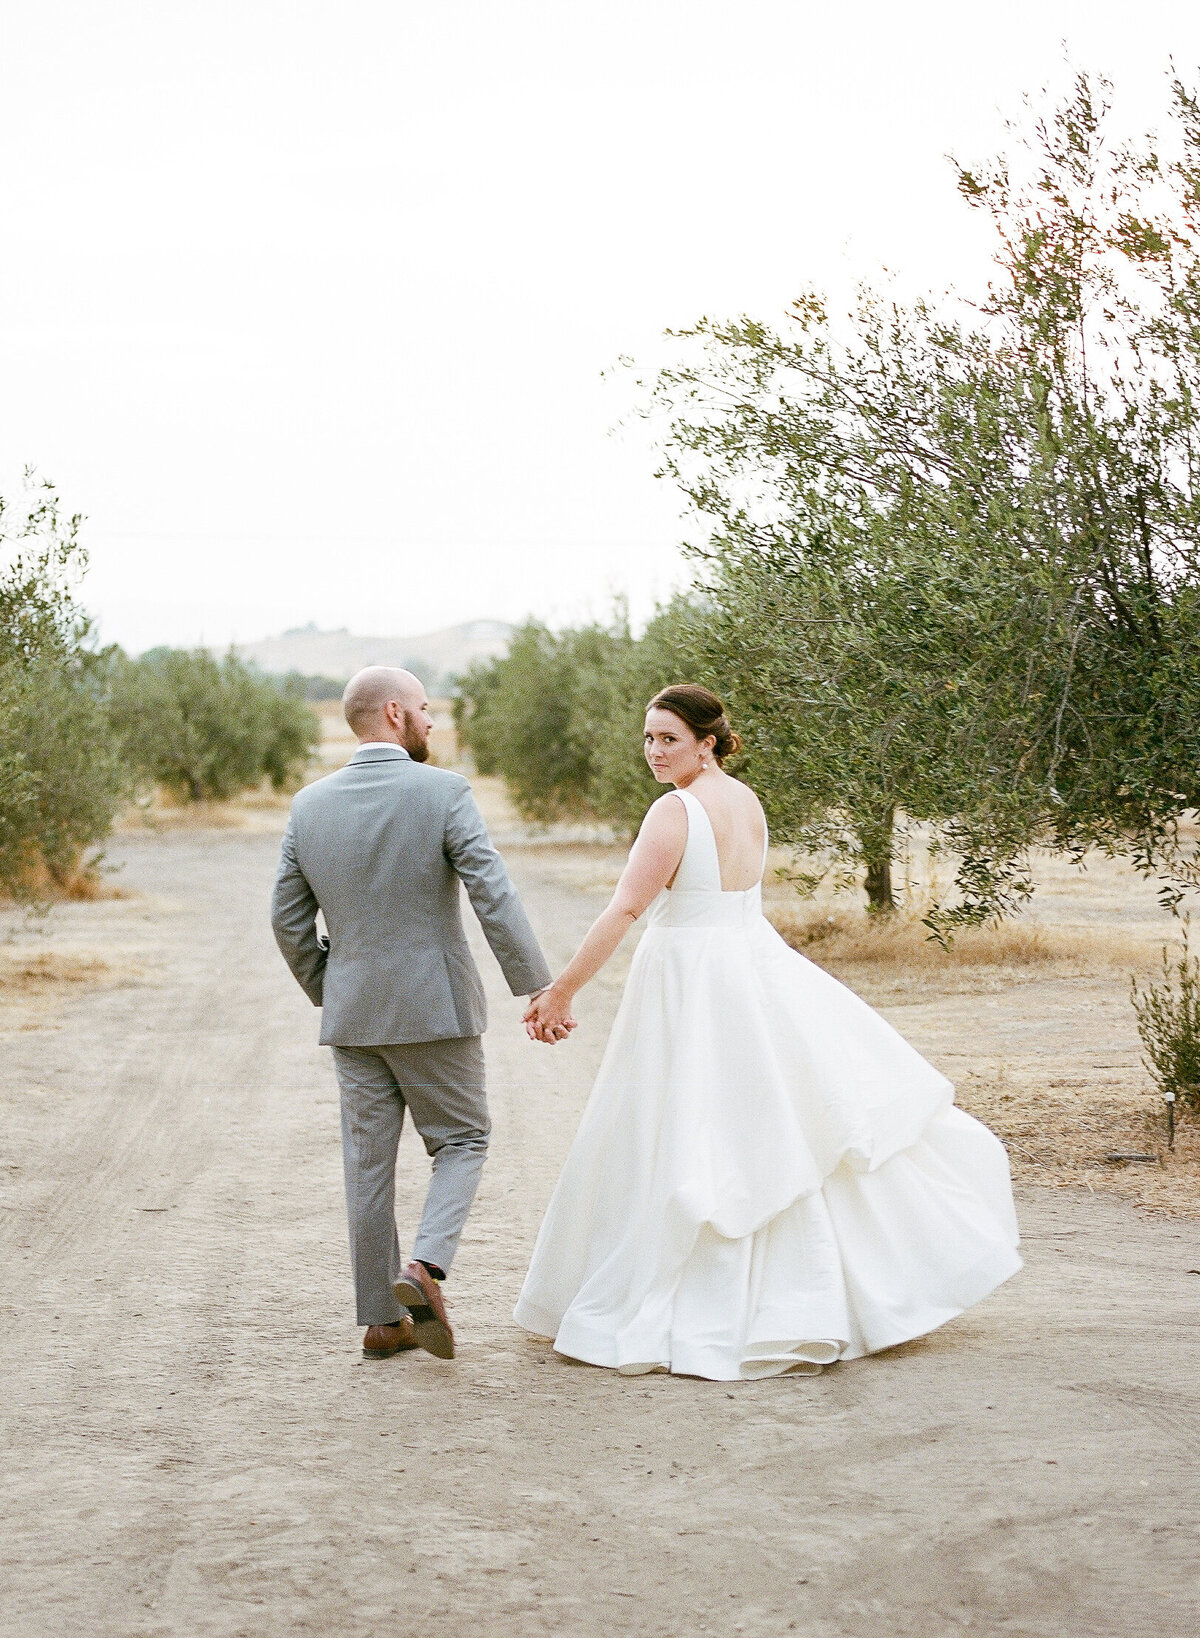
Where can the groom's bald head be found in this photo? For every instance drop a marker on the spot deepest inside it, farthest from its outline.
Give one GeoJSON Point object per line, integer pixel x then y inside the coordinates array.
{"type": "Point", "coordinates": [385, 703]}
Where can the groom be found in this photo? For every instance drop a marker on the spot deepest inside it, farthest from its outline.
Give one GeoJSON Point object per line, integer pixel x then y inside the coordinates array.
{"type": "Point", "coordinates": [380, 848]}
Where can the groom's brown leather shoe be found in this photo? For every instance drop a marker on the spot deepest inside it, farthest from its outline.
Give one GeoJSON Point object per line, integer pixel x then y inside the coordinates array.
{"type": "Point", "coordinates": [382, 1341]}
{"type": "Point", "coordinates": [418, 1291]}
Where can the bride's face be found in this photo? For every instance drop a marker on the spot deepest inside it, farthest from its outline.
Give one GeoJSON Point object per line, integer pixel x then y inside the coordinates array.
{"type": "Point", "coordinates": [672, 750]}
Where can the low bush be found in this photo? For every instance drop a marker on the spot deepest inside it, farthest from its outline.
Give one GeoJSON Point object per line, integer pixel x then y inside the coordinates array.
{"type": "Point", "coordinates": [61, 777]}
{"type": "Point", "coordinates": [1168, 1019]}
{"type": "Point", "coordinates": [205, 729]}
{"type": "Point", "coordinates": [559, 716]}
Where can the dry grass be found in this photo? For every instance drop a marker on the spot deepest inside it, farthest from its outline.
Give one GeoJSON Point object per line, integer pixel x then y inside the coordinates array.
{"type": "Point", "coordinates": [848, 937]}
{"type": "Point", "coordinates": [46, 971]}
{"type": "Point", "coordinates": [261, 809]}
{"type": "Point", "coordinates": [1067, 1130]}
{"type": "Point", "coordinates": [1031, 1019]}
{"type": "Point", "coordinates": [39, 987]}
{"type": "Point", "coordinates": [86, 884]}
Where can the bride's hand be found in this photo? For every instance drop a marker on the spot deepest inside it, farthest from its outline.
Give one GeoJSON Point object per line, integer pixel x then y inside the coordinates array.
{"type": "Point", "coordinates": [548, 1018]}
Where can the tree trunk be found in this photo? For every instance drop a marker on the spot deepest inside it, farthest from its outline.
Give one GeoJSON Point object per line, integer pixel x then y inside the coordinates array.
{"type": "Point", "coordinates": [877, 851]}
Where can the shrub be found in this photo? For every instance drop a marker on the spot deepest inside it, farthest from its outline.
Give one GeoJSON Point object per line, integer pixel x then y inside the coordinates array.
{"type": "Point", "coordinates": [667, 651]}
{"type": "Point", "coordinates": [61, 779]}
{"type": "Point", "coordinates": [529, 716]}
{"type": "Point", "coordinates": [314, 686]}
{"type": "Point", "coordinates": [205, 729]}
{"type": "Point", "coordinates": [559, 717]}
{"type": "Point", "coordinates": [1168, 1018]}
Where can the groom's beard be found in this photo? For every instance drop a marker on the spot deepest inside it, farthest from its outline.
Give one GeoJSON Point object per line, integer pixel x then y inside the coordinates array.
{"type": "Point", "coordinates": [416, 741]}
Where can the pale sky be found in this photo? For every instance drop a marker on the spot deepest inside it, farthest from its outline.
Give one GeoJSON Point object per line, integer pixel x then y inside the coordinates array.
{"type": "Point", "coordinates": [305, 305]}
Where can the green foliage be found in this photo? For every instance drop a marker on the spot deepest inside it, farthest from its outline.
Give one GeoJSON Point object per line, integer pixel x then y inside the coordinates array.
{"type": "Point", "coordinates": [520, 715]}
{"type": "Point", "coordinates": [315, 687]}
{"type": "Point", "coordinates": [1168, 1017]}
{"type": "Point", "coordinates": [952, 553]}
{"type": "Point", "coordinates": [472, 710]}
{"type": "Point", "coordinates": [1100, 306]}
{"type": "Point", "coordinates": [668, 650]}
{"type": "Point", "coordinates": [60, 778]}
{"type": "Point", "coordinates": [559, 717]}
{"type": "Point", "coordinates": [204, 728]}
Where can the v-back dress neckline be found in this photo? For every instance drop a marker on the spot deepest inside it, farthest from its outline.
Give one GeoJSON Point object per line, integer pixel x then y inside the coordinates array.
{"type": "Point", "coordinates": [704, 839]}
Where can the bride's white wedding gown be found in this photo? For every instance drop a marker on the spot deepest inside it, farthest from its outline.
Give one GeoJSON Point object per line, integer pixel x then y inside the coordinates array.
{"type": "Point", "coordinates": [767, 1177]}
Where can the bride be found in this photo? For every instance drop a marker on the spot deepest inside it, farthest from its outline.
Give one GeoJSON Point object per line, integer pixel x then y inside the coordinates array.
{"type": "Point", "coordinates": [767, 1177]}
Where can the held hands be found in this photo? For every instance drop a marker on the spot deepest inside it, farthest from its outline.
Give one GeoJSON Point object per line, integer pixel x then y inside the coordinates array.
{"type": "Point", "coordinates": [548, 1018]}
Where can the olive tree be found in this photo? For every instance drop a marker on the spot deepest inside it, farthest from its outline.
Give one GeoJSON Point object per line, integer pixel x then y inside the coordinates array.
{"type": "Point", "coordinates": [559, 716]}
{"type": "Point", "coordinates": [61, 780]}
{"type": "Point", "coordinates": [529, 715]}
{"type": "Point", "coordinates": [206, 729]}
{"type": "Point", "coordinates": [951, 549]}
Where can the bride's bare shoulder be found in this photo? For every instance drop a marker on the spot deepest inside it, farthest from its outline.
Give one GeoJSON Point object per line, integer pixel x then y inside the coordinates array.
{"type": "Point", "coordinates": [665, 824]}
{"type": "Point", "coordinates": [666, 812]}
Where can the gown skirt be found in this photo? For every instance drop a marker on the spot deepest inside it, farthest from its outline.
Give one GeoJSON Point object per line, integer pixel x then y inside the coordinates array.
{"type": "Point", "coordinates": [767, 1177]}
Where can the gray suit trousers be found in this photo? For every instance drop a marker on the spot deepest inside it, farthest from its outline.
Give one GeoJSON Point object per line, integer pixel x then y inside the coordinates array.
{"type": "Point", "coordinates": [442, 1084]}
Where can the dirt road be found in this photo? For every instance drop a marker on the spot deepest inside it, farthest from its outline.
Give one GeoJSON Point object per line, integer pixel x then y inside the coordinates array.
{"type": "Point", "coordinates": [195, 1447]}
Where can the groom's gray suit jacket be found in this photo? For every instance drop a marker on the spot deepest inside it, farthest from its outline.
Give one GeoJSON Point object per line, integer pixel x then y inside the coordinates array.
{"type": "Point", "coordinates": [380, 847]}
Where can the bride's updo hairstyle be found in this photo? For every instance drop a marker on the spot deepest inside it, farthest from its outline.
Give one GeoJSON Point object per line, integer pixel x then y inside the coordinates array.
{"type": "Point", "coordinates": [703, 712]}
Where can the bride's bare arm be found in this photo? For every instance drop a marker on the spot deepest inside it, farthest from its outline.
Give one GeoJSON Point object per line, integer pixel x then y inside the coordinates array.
{"type": "Point", "coordinates": [653, 860]}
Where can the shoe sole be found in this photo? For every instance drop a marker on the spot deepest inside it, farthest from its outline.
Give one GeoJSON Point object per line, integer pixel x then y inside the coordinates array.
{"type": "Point", "coordinates": [387, 1353]}
{"type": "Point", "coordinates": [432, 1334]}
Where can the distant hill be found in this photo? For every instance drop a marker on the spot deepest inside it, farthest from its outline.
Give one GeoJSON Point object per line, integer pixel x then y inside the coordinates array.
{"type": "Point", "coordinates": [435, 656]}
